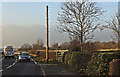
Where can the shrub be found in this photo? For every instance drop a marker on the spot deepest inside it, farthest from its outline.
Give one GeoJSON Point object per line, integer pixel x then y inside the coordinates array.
{"type": "Point", "coordinates": [77, 61]}
{"type": "Point", "coordinates": [63, 56]}
{"type": "Point", "coordinates": [32, 51]}
{"type": "Point", "coordinates": [80, 61]}
{"type": "Point", "coordinates": [42, 55]}
{"type": "Point", "coordinates": [90, 63]}
{"type": "Point", "coordinates": [99, 63]}
{"type": "Point", "coordinates": [96, 65]}
{"type": "Point", "coordinates": [67, 58]}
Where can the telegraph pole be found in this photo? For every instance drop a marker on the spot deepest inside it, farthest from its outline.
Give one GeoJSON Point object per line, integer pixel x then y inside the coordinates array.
{"type": "Point", "coordinates": [47, 36]}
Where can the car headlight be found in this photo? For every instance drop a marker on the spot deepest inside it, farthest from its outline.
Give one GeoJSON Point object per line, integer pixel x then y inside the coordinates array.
{"type": "Point", "coordinates": [19, 57]}
{"type": "Point", "coordinates": [29, 57]}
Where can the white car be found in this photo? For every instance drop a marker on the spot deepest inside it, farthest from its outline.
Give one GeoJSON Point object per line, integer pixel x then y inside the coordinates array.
{"type": "Point", "coordinates": [24, 56]}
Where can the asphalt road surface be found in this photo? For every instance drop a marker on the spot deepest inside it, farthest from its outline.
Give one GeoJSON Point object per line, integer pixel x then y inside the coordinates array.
{"type": "Point", "coordinates": [12, 67]}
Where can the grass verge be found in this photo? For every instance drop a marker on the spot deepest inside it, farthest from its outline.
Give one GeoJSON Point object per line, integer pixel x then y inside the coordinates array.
{"type": "Point", "coordinates": [37, 59]}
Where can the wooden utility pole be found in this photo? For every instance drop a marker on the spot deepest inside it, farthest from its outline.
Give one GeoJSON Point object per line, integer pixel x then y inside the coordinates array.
{"type": "Point", "coordinates": [47, 35]}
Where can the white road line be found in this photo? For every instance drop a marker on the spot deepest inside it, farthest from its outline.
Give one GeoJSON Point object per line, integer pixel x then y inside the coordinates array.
{"type": "Point", "coordinates": [12, 64]}
{"type": "Point", "coordinates": [34, 61]}
{"type": "Point", "coordinates": [1, 59]}
{"type": "Point", "coordinates": [42, 70]}
{"type": "Point", "coordinates": [9, 66]}
{"type": "Point", "coordinates": [40, 66]}
{"type": "Point", "coordinates": [1, 70]}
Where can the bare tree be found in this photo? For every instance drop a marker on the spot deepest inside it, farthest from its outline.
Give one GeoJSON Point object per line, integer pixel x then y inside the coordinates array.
{"type": "Point", "coordinates": [74, 45]}
{"type": "Point", "coordinates": [79, 19]}
{"type": "Point", "coordinates": [65, 45]}
{"type": "Point", "coordinates": [39, 41]}
{"type": "Point", "coordinates": [114, 25]}
{"type": "Point", "coordinates": [54, 46]}
{"type": "Point", "coordinates": [38, 45]}
{"type": "Point", "coordinates": [26, 47]}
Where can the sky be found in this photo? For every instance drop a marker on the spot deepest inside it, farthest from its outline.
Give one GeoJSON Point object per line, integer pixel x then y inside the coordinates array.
{"type": "Point", "coordinates": [24, 22]}
{"type": "Point", "coordinates": [55, 0]}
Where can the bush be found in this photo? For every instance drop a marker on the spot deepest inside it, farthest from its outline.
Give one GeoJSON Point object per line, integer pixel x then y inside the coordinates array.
{"type": "Point", "coordinates": [63, 56]}
{"type": "Point", "coordinates": [99, 63]}
{"type": "Point", "coordinates": [96, 65]}
{"type": "Point", "coordinates": [67, 58]}
{"type": "Point", "coordinates": [42, 55]}
{"type": "Point", "coordinates": [52, 55]}
{"type": "Point", "coordinates": [90, 64]}
{"type": "Point", "coordinates": [77, 61]}
{"type": "Point", "coordinates": [32, 51]}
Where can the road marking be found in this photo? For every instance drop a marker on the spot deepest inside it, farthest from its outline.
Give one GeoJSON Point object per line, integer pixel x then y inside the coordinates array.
{"type": "Point", "coordinates": [1, 70]}
{"type": "Point", "coordinates": [42, 70]}
{"type": "Point", "coordinates": [40, 66]}
{"type": "Point", "coordinates": [1, 59]}
{"type": "Point", "coordinates": [9, 66]}
{"type": "Point", "coordinates": [34, 61]}
{"type": "Point", "coordinates": [12, 64]}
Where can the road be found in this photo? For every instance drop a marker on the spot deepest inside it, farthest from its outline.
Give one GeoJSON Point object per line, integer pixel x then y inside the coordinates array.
{"type": "Point", "coordinates": [15, 68]}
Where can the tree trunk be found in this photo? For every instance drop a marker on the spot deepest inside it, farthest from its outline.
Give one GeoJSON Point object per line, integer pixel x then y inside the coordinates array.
{"type": "Point", "coordinates": [81, 40]}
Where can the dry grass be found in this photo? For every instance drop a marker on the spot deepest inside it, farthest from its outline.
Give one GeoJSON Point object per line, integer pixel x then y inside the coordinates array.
{"type": "Point", "coordinates": [108, 49]}
{"type": "Point", "coordinates": [54, 50]}
{"type": "Point", "coordinates": [33, 54]}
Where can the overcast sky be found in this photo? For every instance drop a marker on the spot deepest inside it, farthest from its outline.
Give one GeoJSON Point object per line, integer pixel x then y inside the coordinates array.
{"type": "Point", "coordinates": [24, 22]}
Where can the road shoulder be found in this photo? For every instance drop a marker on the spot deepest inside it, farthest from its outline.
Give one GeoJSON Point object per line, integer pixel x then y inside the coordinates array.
{"type": "Point", "coordinates": [55, 69]}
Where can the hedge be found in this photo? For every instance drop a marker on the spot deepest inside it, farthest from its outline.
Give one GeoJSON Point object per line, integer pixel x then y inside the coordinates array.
{"type": "Point", "coordinates": [42, 55]}
{"type": "Point", "coordinates": [77, 61]}
{"type": "Point", "coordinates": [90, 63]}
